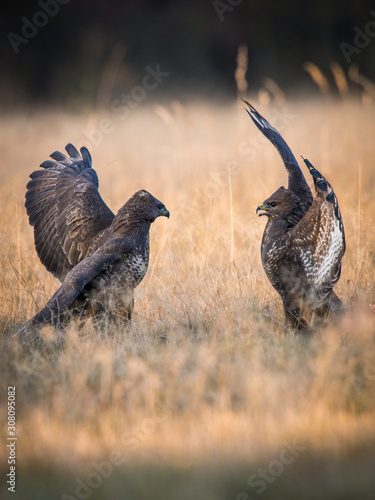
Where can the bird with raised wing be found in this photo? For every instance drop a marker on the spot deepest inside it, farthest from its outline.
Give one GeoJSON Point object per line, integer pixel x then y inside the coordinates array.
{"type": "Point", "coordinates": [303, 242]}
{"type": "Point", "coordinates": [99, 257]}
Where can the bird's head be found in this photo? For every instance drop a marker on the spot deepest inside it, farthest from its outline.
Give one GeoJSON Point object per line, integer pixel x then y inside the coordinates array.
{"type": "Point", "coordinates": [281, 204]}
{"type": "Point", "coordinates": [147, 206]}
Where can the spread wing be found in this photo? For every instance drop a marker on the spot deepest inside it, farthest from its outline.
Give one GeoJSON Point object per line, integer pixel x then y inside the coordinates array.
{"type": "Point", "coordinates": [319, 238]}
{"type": "Point", "coordinates": [66, 210]}
{"type": "Point", "coordinates": [88, 270]}
{"type": "Point", "coordinates": [296, 180]}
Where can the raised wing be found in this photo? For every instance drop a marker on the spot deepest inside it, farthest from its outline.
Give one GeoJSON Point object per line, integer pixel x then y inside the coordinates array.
{"type": "Point", "coordinates": [66, 210]}
{"type": "Point", "coordinates": [321, 238]}
{"type": "Point", "coordinates": [296, 180]}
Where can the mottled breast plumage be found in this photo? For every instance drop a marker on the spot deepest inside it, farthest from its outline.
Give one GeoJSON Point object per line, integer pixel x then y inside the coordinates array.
{"type": "Point", "coordinates": [303, 242]}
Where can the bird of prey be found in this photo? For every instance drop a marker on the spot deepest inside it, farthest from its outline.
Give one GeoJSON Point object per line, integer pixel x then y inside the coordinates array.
{"type": "Point", "coordinates": [303, 242]}
{"type": "Point", "coordinates": [98, 257]}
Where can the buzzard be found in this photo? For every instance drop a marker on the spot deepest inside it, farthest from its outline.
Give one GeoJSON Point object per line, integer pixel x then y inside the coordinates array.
{"type": "Point", "coordinates": [98, 257]}
{"type": "Point", "coordinates": [303, 242]}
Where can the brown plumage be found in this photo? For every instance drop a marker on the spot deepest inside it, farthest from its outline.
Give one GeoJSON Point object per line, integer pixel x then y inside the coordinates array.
{"type": "Point", "coordinates": [99, 257]}
{"type": "Point", "coordinates": [303, 242]}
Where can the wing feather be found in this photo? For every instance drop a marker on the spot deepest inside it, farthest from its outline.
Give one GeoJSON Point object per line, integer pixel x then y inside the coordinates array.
{"type": "Point", "coordinates": [320, 237]}
{"type": "Point", "coordinates": [56, 155]}
{"type": "Point", "coordinates": [64, 206]}
{"type": "Point", "coordinates": [72, 152]}
{"type": "Point", "coordinates": [86, 156]}
{"type": "Point", "coordinates": [296, 180]}
{"type": "Point", "coordinates": [73, 284]}
{"type": "Point", "coordinates": [81, 275]}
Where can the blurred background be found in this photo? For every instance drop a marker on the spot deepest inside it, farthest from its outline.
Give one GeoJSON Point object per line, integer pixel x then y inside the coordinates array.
{"type": "Point", "coordinates": [76, 53]}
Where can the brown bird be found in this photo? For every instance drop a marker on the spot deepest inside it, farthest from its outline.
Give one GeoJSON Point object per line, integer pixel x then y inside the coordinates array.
{"type": "Point", "coordinates": [303, 242]}
{"type": "Point", "coordinates": [99, 257]}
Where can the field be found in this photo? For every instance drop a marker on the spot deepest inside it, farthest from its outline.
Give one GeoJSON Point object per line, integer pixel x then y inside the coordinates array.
{"type": "Point", "coordinates": [204, 396]}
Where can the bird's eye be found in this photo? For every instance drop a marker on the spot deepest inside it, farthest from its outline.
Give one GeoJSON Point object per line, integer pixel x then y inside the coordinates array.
{"type": "Point", "coordinates": [273, 204]}
{"type": "Point", "coordinates": [160, 206]}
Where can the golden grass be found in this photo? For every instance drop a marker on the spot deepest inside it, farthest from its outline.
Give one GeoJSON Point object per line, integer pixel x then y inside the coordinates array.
{"type": "Point", "coordinates": [204, 388]}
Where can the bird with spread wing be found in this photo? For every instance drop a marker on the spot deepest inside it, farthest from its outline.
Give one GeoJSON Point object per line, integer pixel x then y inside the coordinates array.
{"type": "Point", "coordinates": [303, 242]}
{"type": "Point", "coordinates": [99, 257]}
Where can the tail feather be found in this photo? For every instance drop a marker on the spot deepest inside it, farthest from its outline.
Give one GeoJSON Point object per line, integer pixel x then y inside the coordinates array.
{"type": "Point", "coordinates": [334, 303]}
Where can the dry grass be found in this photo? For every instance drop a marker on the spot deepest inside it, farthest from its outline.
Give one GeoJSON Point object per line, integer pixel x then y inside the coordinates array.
{"type": "Point", "coordinates": [204, 388]}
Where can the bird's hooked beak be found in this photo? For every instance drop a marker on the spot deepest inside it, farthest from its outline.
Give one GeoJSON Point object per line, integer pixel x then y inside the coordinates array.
{"type": "Point", "coordinates": [164, 212]}
{"type": "Point", "coordinates": [263, 207]}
